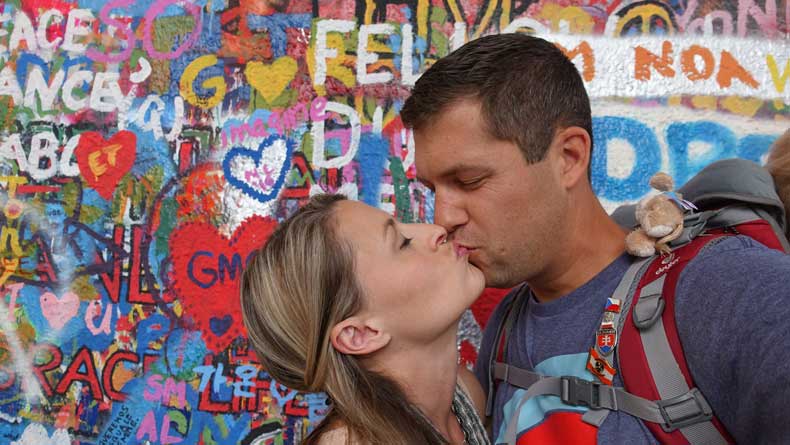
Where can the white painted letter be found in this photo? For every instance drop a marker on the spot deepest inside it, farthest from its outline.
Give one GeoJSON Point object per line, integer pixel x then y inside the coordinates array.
{"type": "Point", "coordinates": [77, 25]}
{"type": "Point", "coordinates": [43, 146]}
{"type": "Point", "coordinates": [407, 56]}
{"type": "Point", "coordinates": [37, 84]}
{"type": "Point", "coordinates": [319, 158]}
{"type": "Point", "coordinates": [68, 168]}
{"type": "Point", "coordinates": [23, 30]}
{"type": "Point", "coordinates": [9, 86]}
{"type": "Point", "coordinates": [105, 85]}
{"type": "Point", "coordinates": [322, 28]}
{"type": "Point", "coordinates": [72, 82]}
{"type": "Point", "coordinates": [11, 148]}
{"type": "Point", "coordinates": [365, 58]}
{"type": "Point", "coordinates": [41, 31]}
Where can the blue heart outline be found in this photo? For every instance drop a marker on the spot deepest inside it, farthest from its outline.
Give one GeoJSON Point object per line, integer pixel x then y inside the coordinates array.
{"type": "Point", "coordinates": [256, 156]}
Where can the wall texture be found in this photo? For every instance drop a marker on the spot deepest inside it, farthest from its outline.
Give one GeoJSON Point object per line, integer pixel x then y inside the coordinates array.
{"type": "Point", "coordinates": [146, 147]}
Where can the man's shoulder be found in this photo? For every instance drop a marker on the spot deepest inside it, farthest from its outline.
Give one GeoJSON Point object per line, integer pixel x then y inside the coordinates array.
{"type": "Point", "coordinates": [737, 279]}
{"type": "Point", "coordinates": [738, 259]}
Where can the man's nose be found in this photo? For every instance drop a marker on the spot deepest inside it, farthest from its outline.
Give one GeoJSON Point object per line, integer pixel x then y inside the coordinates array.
{"type": "Point", "coordinates": [449, 214]}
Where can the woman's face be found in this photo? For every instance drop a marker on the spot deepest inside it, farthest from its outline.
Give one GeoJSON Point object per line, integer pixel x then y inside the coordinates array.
{"type": "Point", "coordinates": [415, 283]}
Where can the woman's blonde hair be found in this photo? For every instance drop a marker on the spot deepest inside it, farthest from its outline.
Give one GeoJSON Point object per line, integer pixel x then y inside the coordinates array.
{"type": "Point", "coordinates": [293, 291]}
{"type": "Point", "coordinates": [778, 164]}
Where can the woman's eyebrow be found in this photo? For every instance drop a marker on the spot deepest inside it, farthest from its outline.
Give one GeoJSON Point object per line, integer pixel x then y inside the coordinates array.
{"type": "Point", "coordinates": [390, 223]}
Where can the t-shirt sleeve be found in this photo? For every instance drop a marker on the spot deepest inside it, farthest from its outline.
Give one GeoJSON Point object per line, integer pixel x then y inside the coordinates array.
{"type": "Point", "coordinates": [733, 317]}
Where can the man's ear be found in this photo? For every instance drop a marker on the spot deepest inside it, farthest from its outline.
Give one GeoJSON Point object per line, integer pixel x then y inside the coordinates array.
{"type": "Point", "coordinates": [574, 150]}
{"type": "Point", "coordinates": [355, 336]}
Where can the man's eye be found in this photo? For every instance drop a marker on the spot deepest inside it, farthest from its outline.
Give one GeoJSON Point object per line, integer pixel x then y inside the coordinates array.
{"type": "Point", "coordinates": [405, 243]}
{"type": "Point", "coordinates": [471, 183]}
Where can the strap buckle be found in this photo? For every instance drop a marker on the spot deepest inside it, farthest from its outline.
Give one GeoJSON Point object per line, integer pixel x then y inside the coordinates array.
{"type": "Point", "coordinates": [684, 410]}
{"type": "Point", "coordinates": [576, 392]}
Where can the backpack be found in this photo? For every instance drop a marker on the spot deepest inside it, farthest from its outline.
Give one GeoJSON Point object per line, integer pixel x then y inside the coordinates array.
{"type": "Point", "coordinates": [734, 196]}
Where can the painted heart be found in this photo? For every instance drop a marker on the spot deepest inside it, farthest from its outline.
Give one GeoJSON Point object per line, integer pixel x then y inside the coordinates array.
{"type": "Point", "coordinates": [58, 311]}
{"type": "Point", "coordinates": [206, 271]}
{"type": "Point", "coordinates": [271, 80]}
{"type": "Point", "coordinates": [219, 326]}
{"type": "Point", "coordinates": [36, 433]}
{"type": "Point", "coordinates": [103, 162]}
{"type": "Point", "coordinates": [260, 173]}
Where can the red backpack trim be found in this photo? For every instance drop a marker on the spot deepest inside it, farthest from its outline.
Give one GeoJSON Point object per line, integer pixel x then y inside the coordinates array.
{"type": "Point", "coordinates": [635, 370]}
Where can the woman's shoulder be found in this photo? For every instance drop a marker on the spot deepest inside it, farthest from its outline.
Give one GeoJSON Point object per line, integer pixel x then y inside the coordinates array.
{"type": "Point", "coordinates": [336, 435]}
{"type": "Point", "coordinates": [471, 386]}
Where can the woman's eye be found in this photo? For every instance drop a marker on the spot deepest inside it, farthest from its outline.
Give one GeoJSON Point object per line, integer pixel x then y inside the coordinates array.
{"type": "Point", "coordinates": [405, 243]}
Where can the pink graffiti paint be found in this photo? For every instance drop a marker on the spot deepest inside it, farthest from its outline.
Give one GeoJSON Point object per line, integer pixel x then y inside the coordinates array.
{"type": "Point", "coordinates": [105, 17]}
{"type": "Point", "coordinates": [14, 290]}
{"type": "Point", "coordinates": [58, 311]}
{"type": "Point", "coordinates": [148, 428]}
{"type": "Point", "coordinates": [263, 181]}
{"type": "Point", "coordinates": [150, 16]}
{"type": "Point", "coordinates": [162, 392]}
{"type": "Point", "coordinates": [93, 312]}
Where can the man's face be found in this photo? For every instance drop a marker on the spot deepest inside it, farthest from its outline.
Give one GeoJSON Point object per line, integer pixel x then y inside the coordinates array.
{"type": "Point", "coordinates": [507, 213]}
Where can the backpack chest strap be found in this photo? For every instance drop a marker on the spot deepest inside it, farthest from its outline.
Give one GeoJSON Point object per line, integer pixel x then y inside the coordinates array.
{"type": "Point", "coordinates": [685, 410]}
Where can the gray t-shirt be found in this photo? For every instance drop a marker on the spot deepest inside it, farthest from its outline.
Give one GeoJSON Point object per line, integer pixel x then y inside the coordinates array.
{"type": "Point", "coordinates": [733, 317]}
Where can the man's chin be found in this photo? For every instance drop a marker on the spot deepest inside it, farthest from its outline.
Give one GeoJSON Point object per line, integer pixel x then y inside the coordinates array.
{"type": "Point", "coordinates": [497, 281]}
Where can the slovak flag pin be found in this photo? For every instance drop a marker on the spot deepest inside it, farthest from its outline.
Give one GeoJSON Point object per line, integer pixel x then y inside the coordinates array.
{"type": "Point", "coordinates": [606, 339]}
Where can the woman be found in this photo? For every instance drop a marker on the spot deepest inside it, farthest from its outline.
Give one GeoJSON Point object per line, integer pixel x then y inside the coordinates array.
{"type": "Point", "coordinates": [345, 300]}
{"type": "Point", "coordinates": [778, 164]}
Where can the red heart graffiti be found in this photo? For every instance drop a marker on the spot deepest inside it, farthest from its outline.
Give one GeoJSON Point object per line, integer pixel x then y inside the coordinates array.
{"type": "Point", "coordinates": [206, 271]}
{"type": "Point", "coordinates": [104, 162]}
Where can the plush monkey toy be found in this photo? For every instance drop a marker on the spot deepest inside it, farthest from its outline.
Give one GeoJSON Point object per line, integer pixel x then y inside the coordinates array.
{"type": "Point", "coordinates": [660, 219]}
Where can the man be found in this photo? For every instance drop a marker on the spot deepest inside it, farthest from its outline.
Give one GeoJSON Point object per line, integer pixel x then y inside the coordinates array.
{"type": "Point", "coordinates": [503, 134]}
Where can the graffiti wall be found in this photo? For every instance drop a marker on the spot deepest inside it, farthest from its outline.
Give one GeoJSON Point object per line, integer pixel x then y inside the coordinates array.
{"type": "Point", "coordinates": [147, 147]}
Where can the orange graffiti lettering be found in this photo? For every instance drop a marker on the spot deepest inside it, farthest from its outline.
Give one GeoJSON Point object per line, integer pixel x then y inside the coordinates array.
{"type": "Point", "coordinates": [645, 60]}
{"type": "Point", "coordinates": [588, 58]}
{"type": "Point", "coordinates": [688, 62]}
{"type": "Point", "coordinates": [729, 69]}
{"type": "Point", "coordinates": [98, 167]}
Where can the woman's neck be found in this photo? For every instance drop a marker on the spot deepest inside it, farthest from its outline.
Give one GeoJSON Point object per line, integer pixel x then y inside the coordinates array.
{"type": "Point", "coordinates": [428, 374]}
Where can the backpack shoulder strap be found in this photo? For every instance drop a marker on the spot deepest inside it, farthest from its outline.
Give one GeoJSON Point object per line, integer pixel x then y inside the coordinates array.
{"type": "Point", "coordinates": [655, 367]}
{"type": "Point", "coordinates": [496, 360]}
{"type": "Point", "coordinates": [754, 221]}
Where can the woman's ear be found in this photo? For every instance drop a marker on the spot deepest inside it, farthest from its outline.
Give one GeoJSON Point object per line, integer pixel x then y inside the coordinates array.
{"type": "Point", "coordinates": [355, 336]}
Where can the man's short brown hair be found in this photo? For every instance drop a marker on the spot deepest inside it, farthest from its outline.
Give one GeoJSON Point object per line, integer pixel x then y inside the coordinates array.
{"type": "Point", "coordinates": [526, 86]}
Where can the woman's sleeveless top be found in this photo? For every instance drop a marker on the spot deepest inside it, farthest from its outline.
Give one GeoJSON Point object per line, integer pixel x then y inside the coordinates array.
{"type": "Point", "coordinates": [464, 410]}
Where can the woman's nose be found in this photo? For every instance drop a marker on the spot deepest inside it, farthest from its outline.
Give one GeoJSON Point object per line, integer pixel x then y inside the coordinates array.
{"type": "Point", "coordinates": [438, 236]}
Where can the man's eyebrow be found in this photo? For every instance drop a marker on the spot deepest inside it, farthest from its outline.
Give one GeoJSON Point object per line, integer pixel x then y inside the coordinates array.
{"type": "Point", "coordinates": [454, 170]}
{"type": "Point", "coordinates": [464, 168]}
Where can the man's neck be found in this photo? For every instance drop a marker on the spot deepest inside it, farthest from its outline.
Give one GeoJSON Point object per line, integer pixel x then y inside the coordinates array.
{"type": "Point", "coordinates": [594, 241]}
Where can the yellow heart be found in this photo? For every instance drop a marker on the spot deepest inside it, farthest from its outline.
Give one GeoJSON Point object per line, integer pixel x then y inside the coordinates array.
{"type": "Point", "coordinates": [271, 80]}
{"type": "Point", "coordinates": [745, 106]}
